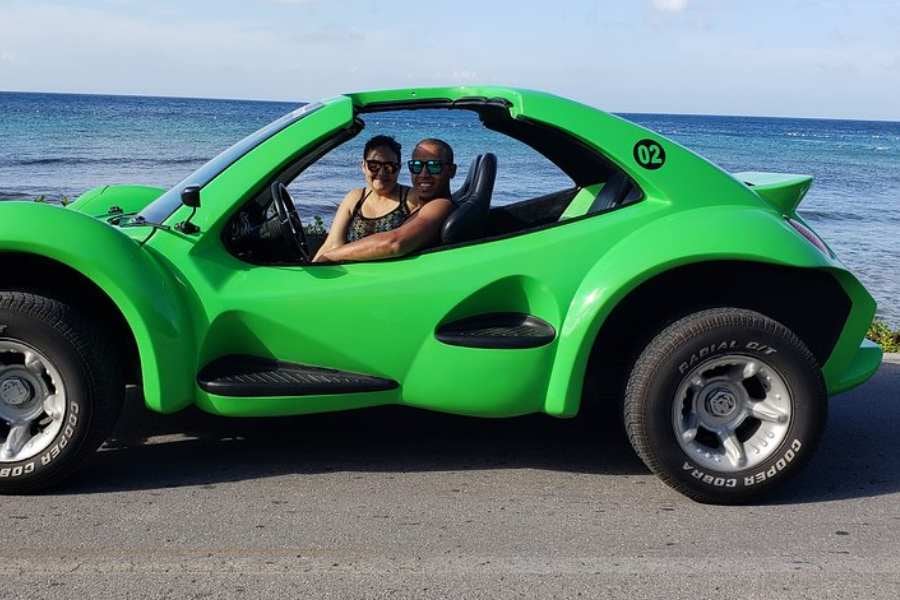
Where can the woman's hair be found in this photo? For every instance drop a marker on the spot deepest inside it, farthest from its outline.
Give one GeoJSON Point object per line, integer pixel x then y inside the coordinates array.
{"type": "Point", "coordinates": [382, 141]}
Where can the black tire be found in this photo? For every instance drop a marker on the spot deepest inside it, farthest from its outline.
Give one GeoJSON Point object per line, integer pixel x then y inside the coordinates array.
{"type": "Point", "coordinates": [655, 399]}
{"type": "Point", "coordinates": [87, 363]}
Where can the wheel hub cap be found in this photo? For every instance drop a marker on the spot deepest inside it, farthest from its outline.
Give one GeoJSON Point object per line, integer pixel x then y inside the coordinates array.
{"type": "Point", "coordinates": [15, 391]}
{"type": "Point", "coordinates": [731, 412]}
{"type": "Point", "coordinates": [21, 394]}
{"type": "Point", "coordinates": [32, 401]}
{"type": "Point", "coordinates": [721, 402]}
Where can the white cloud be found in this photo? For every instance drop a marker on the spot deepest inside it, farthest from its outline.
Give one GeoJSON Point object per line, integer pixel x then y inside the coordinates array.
{"type": "Point", "coordinates": [101, 51]}
{"type": "Point", "coordinates": [48, 46]}
{"type": "Point", "coordinates": [670, 6]}
{"type": "Point", "coordinates": [90, 50]}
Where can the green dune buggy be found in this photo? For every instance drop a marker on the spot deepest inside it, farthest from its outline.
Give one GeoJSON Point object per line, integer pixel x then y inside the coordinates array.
{"type": "Point", "coordinates": [696, 299]}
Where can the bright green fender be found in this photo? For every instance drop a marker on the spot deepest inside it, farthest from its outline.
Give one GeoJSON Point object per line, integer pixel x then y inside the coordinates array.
{"type": "Point", "coordinates": [149, 298]}
{"type": "Point", "coordinates": [608, 283]}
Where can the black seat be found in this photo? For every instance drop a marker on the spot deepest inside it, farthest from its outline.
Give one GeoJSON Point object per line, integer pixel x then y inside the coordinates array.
{"type": "Point", "coordinates": [463, 192]}
{"type": "Point", "coordinates": [617, 191]}
{"type": "Point", "coordinates": [473, 202]}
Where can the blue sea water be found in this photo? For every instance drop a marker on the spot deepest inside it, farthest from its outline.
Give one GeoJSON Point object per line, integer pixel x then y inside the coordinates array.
{"type": "Point", "coordinates": [61, 145]}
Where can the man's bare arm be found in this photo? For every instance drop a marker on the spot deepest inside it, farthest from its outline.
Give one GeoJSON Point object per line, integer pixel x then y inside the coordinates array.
{"type": "Point", "coordinates": [423, 227]}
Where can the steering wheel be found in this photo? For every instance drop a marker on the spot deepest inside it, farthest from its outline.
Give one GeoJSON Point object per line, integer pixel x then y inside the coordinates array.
{"type": "Point", "coordinates": [289, 219]}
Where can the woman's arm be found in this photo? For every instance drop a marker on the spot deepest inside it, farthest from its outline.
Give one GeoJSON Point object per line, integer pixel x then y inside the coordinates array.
{"type": "Point", "coordinates": [338, 232]}
{"type": "Point", "coordinates": [419, 230]}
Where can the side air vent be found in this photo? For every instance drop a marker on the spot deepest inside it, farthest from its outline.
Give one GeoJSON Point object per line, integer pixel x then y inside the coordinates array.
{"type": "Point", "coordinates": [497, 330]}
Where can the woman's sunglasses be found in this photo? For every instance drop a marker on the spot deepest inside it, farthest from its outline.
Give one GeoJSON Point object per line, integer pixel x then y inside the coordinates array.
{"type": "Point", "coordinates": [375, 166]}
{"type": "Point", "coordinates": [434, 166]}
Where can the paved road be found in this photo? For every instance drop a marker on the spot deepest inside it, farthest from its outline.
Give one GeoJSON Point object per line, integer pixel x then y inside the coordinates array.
{"type": "Point", "coordinates": [391, 503]}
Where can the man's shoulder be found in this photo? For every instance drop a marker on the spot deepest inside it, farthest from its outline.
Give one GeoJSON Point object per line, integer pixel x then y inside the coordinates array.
{"type": "Point", "coordinates": [439, 205]}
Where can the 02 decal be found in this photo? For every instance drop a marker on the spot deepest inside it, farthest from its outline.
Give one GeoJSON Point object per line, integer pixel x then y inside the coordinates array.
{"type": "Point", "coordinates": [649, 154]}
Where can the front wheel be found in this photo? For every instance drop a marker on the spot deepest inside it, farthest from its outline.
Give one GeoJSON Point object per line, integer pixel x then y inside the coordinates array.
{"type": "Point", "coordinates": [724, 405]}
{"type": "Point", "coordinates": [60, 391]}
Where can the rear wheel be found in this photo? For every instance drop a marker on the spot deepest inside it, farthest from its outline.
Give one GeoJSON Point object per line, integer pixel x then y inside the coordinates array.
{"type": "Point", "coordinates": [724, 405]}
{"type": "Point", "coordinates": [60, 391]}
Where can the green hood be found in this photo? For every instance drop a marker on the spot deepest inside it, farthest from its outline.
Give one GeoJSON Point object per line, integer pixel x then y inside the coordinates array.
{"type": "Point", "coordinates": [98, 201]}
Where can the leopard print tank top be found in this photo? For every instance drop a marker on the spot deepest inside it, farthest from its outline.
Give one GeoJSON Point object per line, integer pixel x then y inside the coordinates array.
{"type": "Point", "coordinates": [362, 226]}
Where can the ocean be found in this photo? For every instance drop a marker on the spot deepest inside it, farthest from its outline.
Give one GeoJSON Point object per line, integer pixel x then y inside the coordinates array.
{"type": "Point", "coordinates": [57, 145]}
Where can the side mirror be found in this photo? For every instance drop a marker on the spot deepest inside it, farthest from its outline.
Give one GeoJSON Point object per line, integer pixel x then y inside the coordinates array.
{"type": "Point", "coordinates": [190, 196]}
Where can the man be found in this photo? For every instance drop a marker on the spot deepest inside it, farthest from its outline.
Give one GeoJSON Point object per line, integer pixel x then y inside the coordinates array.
{"type": "Point", "coordinates": [431, 169]}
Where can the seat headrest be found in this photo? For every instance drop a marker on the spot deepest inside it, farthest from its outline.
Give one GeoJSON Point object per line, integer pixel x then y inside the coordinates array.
{"type": "Point", "coordinates": [482, 187]}
{"type": "Point", "coordinates": [469, 220]}
{"type": "Point", "coordinates": [613, 192]}
{"type": "Point", "coordinates": [463, 192]}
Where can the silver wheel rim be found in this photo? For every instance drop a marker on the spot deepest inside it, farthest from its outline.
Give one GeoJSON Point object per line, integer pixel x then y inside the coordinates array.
{"type": "Point", "coordinates": [32, 401]}
{"type": "Point", "coordinates": [732, 413]}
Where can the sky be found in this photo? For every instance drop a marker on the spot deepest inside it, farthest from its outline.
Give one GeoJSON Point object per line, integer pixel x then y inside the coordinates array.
{"type": "Point", "coordinates": [755, 57]}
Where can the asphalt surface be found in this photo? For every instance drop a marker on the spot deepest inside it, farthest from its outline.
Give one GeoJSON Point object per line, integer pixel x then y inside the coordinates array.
{"type": "Point", "coordinates": [390, 503]}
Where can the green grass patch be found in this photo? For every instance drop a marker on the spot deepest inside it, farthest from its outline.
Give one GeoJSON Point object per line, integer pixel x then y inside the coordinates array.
{"type": "Point", "coordinates": [317, 227]}
{"type": "Point", "coordinates": [884, 336]}
{"type": "Point", "coordinates": [64, 200]}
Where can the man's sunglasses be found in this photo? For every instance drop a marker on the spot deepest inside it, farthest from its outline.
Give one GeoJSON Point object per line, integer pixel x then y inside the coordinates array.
{"type": "Point", "coordinates": [434, 166]}
{"type": "Point", "coordinates": [374, 166]}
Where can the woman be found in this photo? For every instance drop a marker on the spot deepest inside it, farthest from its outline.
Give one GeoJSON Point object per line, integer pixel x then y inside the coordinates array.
{"type": "Point", "coordinates": [386, 219]}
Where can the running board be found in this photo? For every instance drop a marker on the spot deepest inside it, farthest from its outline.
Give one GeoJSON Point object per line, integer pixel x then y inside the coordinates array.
{"type": "Point", "coordinates": [497, 330]}
{"type": "Point", "coordinates": [252, 376]}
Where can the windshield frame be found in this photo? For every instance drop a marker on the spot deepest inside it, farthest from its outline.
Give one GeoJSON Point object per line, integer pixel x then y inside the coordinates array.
{"type": "Point", "coordinates": [165, 206]}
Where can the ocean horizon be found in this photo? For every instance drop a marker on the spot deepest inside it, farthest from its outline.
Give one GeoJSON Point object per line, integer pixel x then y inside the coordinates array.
{"type": "Point", "coordinates": [302, 102]}
{"type": "Point", "coordinates": [59, 145]}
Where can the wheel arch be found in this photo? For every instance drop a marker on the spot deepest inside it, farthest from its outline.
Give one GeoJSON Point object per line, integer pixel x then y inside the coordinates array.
{"type": "Point", "coordinates": [143, 349]}
{"type": "Point", "coordinates": [47, 277]}
{"type": "Point", "coordinates": [640, 283]}
{"type": "Point", "coordinates": [806, 295]}
{"type": "Point", "coordinates": [103, 265]}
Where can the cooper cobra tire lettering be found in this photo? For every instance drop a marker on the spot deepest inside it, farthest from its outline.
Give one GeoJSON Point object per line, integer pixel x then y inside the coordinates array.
{"type": "Point", "coordinates": [54, 450]}
{"type": "Point", "coordinates": [749, 480]}
{"type": "Point", "coordinates": [728, 482]}
{"type": "Point", "coordinates": [779, 465]}
{"type": "Point", "coordinates": [17, 471]}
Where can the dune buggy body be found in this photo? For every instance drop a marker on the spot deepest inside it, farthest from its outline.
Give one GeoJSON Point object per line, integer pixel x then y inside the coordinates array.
{"type": "Point", "coordinates": [550, 308]}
